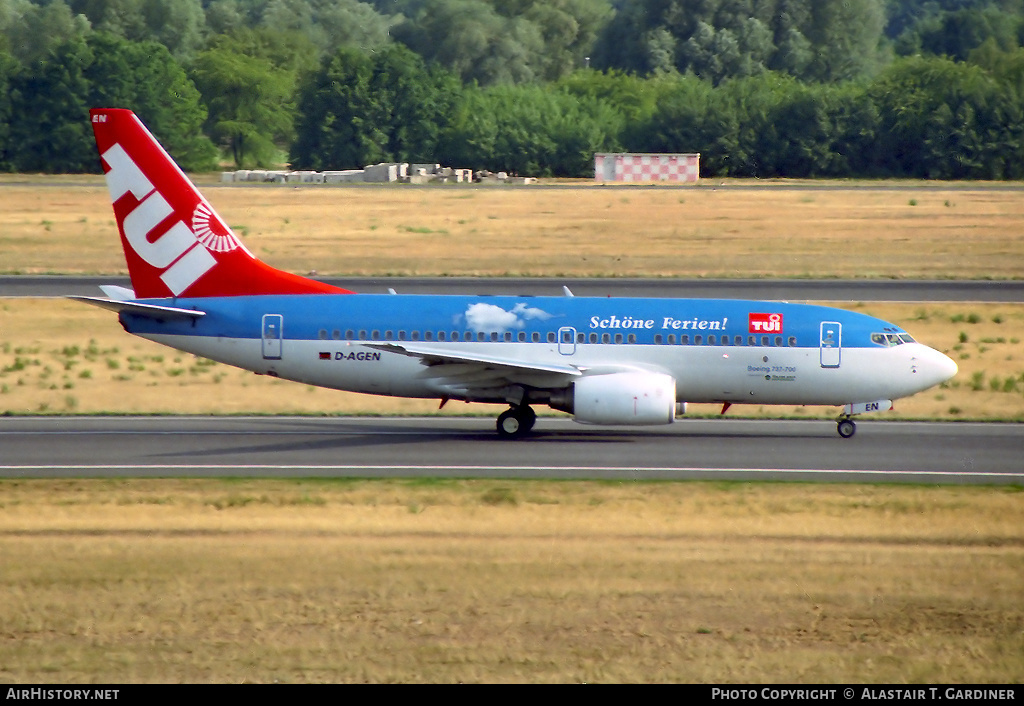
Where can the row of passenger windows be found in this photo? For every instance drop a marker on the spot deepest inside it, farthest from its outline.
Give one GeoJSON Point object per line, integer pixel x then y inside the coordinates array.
{"type": "Point", "coordinates": [552, 337]}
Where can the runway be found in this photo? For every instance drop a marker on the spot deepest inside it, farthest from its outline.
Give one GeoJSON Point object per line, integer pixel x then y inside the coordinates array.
{"type": "Point", "coordinates": [779, 290]}
{"type": "Point", "coordinates": [447, 447]}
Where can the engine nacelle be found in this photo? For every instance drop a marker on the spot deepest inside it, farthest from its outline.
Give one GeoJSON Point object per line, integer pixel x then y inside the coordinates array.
{"type": "Point", "coordinates": [633, 398]}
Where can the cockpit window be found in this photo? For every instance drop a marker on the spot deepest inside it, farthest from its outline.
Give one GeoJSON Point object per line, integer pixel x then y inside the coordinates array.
{"type": "Point", "coordinates": [890, 339]}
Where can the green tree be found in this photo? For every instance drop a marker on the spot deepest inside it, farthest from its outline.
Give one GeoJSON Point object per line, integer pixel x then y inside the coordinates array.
{"type": "Point", "coordinates": [51, 101]}
{"type": "Point", "coordinates": [358, 110]}
{"type": "Point", "coordinates": [33, 31]}
{"type": "Point", "coordinates": [250, 104]}
{"type": "Point", "coordinates": [820, 40]}
{"type": "Point", "coordinates": [330, 24]}
{"type": "Point", "coordinates": [469, 38]}
{"type": "Point", "coordinates": [943, 120]}
{"type": "Point", "coordinates": [50, 129]}
{"type": "Point", "coordinates": [145, 77]}
{"type": "Point", "coordinates": [568, 30]}
{"type": "Point", "coordinates": [122, 18]}
{"type": "Point", "coordinates": [180, 25]}
{"type": "Point", "coordinates": [531, 130]}
{"type": "Point", "coordinates": [956, 34]}
{"type": "Point", "coordinates": [8, 68]}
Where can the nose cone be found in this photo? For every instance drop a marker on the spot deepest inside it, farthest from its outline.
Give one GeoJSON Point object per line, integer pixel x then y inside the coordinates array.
{"type": "Point", "coordinates": [932, 367]}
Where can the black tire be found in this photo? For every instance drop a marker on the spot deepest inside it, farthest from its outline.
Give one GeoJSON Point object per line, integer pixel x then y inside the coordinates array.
{"type": "Point", "coordinates": [527, 418]}
{"type": "Point", "coordinates": [509, 425]}
{"type": "Point", "coordinates": [846, 428]}
{"type": "Point", "coordinates": [515, 423]}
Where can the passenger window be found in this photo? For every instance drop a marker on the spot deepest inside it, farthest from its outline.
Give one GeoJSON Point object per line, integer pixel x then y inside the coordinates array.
{"type": "Point", "coordinates": [415, 335]}
{"type": "Point", "coordinates": [671, 339]}
{"type": "Point", "coordinates": [336, 335]}
{"type": "Point", "coordinates": [618, 338]}
{"type": "Point", "coordinates": [323, 334]}
{"type": "Point", "coordinates": [684, 340]}
{"type": "Point", "coordinates": [631, 338]}
{"type": "Point", "coordinates": [440, 335]}
{"type": "Point", "coordinates": [606, 338]}
{"type": "Point", "coordinates": [536, 336]}
{"type": "Point", "coordinates": [711, 339]}
{"type": "Point", "coordinates": [593, 338]}
{"type": "Point", "coordinates": [778, 341]}
{"type": "Point", "coordinates": [698, 340]}
{"type": "Point", "coordinates": [792, 341]}
{"type": "Point", "coordinates": [428, 335]}
{"type": "Point", "coordinates": [401, 335]}
{"type": "Point", "coordinates": [657, 339]}
{"type": "Point", "coordinates": [350, 335]}
{"type": "Point", "coordinates": [522, 336]}
{"type": "Point", "coordinates": [362, 335]}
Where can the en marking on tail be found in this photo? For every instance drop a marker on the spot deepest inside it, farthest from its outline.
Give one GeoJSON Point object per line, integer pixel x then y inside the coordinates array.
{"type": "Point", "coordinates": [175, 243]}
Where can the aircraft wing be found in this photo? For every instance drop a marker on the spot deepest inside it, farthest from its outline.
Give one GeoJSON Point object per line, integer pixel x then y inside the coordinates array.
{"type": "Point", "coordinates": [432, 356]}
{"type": "Point", "coordinates": [153, 311]}
{"type": "Point", "coordinates": [460, 374]}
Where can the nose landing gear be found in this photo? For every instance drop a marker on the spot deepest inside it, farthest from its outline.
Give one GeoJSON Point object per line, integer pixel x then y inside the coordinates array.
{"type": "Point", "coordinates": [846, 427]}
{"type": "Point", "coordinates": [516, 422]}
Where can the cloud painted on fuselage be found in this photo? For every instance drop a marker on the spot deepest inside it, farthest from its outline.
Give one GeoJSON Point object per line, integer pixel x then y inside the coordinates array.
{"type": "Point", "coordinates": [489, 317]}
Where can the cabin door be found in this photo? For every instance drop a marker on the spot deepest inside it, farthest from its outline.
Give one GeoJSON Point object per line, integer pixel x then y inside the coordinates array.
{"type": "Point", "coordinates": [567, 340]}
{"type": "Point", "coordinates": [831, 344]}
{"type": "Point", "coordinates": [273, 336]}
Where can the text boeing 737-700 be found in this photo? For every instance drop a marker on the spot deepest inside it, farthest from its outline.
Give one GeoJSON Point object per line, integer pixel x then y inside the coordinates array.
{"type": "Point", "coordinates": [614, 361]}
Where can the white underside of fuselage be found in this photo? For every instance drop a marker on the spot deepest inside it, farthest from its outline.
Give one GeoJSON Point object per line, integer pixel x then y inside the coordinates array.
{"type": "Point", "coordinates": [753, 375]}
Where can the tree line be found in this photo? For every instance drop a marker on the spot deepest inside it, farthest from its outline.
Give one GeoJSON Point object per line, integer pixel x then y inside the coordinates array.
{"type": "Point", "coordinates": [798, 88]}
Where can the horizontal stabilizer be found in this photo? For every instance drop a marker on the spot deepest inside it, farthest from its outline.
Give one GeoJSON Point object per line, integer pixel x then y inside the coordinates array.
{"type": "Point", "coordinates": [153, 311]}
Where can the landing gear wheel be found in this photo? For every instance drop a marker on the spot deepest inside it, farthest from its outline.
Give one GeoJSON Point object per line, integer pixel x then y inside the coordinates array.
{"type": "Point", "coordinates": [516, 422]}
{"type": "Point", "coordinates": [846, 428]}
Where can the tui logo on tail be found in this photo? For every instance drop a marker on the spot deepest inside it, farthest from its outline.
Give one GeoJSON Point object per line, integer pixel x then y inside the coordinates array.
{"type": "Point", "coordinates": [174, 242]}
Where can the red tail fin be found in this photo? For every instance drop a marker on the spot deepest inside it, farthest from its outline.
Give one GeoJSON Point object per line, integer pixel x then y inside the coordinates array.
{"type": "Point", "coordinates": [175, 243]}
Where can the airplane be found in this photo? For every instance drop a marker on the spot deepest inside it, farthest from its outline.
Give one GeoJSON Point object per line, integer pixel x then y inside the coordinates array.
{"type": "Point", "coordinates": [605, 361]}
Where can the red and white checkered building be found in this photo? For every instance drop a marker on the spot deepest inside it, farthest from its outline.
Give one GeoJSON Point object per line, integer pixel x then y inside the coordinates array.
{"type": "Point", "coordinates": [637, 168]}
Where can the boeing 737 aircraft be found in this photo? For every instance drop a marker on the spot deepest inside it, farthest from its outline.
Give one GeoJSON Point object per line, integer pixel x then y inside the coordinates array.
{"type": "Point", "coordinates": [614, 361]}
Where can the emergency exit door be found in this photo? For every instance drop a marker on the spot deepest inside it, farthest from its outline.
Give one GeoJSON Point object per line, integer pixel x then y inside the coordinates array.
{"type": "Point", "coordinates": [273, 336]}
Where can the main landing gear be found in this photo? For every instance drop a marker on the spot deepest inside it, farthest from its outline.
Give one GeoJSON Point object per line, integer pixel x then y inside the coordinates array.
{"type": "Point", "coordinates": [516, 422]}
{"type": "Point", "coordinates": [846, 427]}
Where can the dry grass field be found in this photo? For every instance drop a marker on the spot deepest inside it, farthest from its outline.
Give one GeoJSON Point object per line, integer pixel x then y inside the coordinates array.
{"type": "Point", "coordinates": [589, 231]}
{"type": "Point", "coordinates": [126, 581]}
{"type": "Point", "coordinates": [483, 581]}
